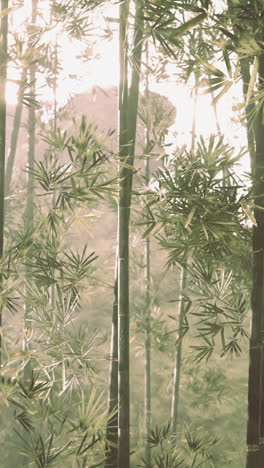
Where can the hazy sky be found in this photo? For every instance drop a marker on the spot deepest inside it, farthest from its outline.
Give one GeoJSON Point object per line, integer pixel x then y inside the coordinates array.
{"type": "Point", "coordinates": [80, 76]}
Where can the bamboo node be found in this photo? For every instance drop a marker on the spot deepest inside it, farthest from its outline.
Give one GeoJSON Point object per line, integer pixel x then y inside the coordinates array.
{"type": "Point", "coordinates": [253, 448]}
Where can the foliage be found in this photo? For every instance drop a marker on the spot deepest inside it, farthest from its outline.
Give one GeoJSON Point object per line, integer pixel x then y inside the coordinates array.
{"type": "Point", "coordinates": [53, 356]}
{"type": "Point", "coordinates": [195, 448]}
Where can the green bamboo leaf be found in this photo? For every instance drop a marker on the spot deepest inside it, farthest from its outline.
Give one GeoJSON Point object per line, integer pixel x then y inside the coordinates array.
{"type": "Point", "coordinates": [227, 62]}
{"type": "Point", "coordinates": [210, 67]}
{"type": "Point", "coordinates": [126, 166]}
{"type": "Point", "coordinates": [190, 24]}
{"type": "Point", "coordinates": [16, 403]}
{"type": "Point", "coordinates": [99, 463]}
{"type": "Point", "coordinates": [224, 91]}
{"type": "Point", "coordinates": [205, 232]}
{"type": "Point", "coordinates": [148, 230]}
{"type": "Point", "coordinates": [158, 228]}
{"type": "Point", "coordinates": [190, 217]}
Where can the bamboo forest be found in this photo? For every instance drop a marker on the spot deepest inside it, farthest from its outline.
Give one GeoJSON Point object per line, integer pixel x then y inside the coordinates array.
{"type": "Point", "coordinates": [132, 233]}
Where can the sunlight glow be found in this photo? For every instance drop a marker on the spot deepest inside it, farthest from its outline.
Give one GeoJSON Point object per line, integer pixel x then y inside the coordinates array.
{"type": "Point", "coordinates": [95, 63]}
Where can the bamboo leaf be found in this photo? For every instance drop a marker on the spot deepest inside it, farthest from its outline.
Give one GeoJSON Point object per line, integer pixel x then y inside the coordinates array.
{"type": "Point", "coordinates": [127, 166]}
{"type": "Point", "coordinates": [148, 230]}
{"type": "Point", "coordinates": [158, 228]}
{"type": "Point", "coordinates": [210, 67]}
{"type": "Point", "coordinates": [227, 62]}
{"type": "Point", "coordinates": [224, 91]}
{"type": "Point", "coordinates": [205, 232]}
{"type": "Point", "coordinates": [190, 217]}
{"type": "Point", "coordinates": [190, 24]}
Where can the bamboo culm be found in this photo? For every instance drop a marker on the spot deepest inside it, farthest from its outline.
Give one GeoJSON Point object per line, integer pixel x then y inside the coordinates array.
{"type": "Point", "coordinates": [255, 404]}
{"type": "Point", "coordinates": [29, 215]}
{"type": "Point", "coordinates": [183, 281]}
{"type": "Point", "coordinates": [250, 109]}
{"type": "Point", "coordinates": [3, 75]}
{"type": "Point", "coordinates": [112, 425]}
{"type": "Point", "coordinates": [31, 132]}
{"type": "Point", "coordinates": [128, 109]}
{"type": "Point", "coordinates": [123, 251]}
{"type": "Point", "coordinates": [147, 263]}
{"type": "Point", "coordinates": [15, 133]}
{"type": "Point", "coordinates": [178, 354]}
{"type": "Point", "coordinates": [147, 345]}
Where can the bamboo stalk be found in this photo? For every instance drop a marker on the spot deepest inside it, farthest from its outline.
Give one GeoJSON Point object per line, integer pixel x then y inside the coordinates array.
{"type": "Point", "coordinates": [112, 426]}
{"type": "Point", "coordinates": [181, 311]}
{"type": "Point", "coordinates": [217, 123]}
{"type": "Point", "coordinates": [54, 127]}
{"type": "Point", "coordinates": [147, 342]}
{"type": "Point", "coordinates": [134, 88]}
{"type": "Point", "coordinates": [123, 250]}
{"type": "Point", "coordinates": [29, 214]}
{"type": "Point", "coordinates": [250, 109]}
{"type": "Point", "coordinates": [128, 108]}
{"type": "Point", "coordinates": [15, 133]}
{"type": "Point", "coordinates": [195, 96]}
{"type": "Point", "coordinates": [31, 132]}
{"type": "Point", "coordinates": [127, 133]}
{"type": "Point", "coordinates": [3, 75]}
{"type": "Point", "coordinates": [178, 355]}
{"type": "Point", "coordinates": [147, 272]}
{"type": "Point", "coordinates": [255, 406]}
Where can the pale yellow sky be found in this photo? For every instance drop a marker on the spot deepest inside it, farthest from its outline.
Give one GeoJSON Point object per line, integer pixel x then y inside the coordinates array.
{"type": "Point", "coordinates": [78, 76]}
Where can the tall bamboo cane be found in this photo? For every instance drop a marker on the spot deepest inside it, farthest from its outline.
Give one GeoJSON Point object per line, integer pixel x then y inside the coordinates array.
{"type": "Point", "coordinates": [217, 123]}
{"type": "Point", "coordinates": [123, 248]}
{"type": "Point", "coordinates": [31, 130]}
{"type": "Point", "coordinates": [178, 354]}
{"type": "Point", "coordinates": [250, 108]}
{"type": "Point", "coordinates": [112, 425]}
{"type": "Point", "coordinates": [3, 75]}
{"type": "Point", "coordinates": [29, 215]}
{"type": "Point", "coordinates": [128, 109]}
{"type": "Point", "coordinates": [147, 272]}
{"type": "Point", "coordinates": [15, 133]}
{"type": "Point", "coordinates": [255, 409]}
{"type": "Point", "coordinates": [181, 310]}
{"type": "Point", "coordinates": [147, 338]}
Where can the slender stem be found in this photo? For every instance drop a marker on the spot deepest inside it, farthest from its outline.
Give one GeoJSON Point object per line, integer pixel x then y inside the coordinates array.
{"type": "Point", "coordinates": [55, 80]}
{"type": "Point", "coordinates": [147, 297]}
{"type": "Point", "coordinates": [29, 215]}
{"type": "Point", "coordinates": [250, 109]}
{"type": "Point", "coordinates": [194, 113]}
{"type": "Point", "coordinates": [217, 123]}
{"type": "Point", "coordinates": [147, 350]}
{"type": "Point", "coordinates": [15, 133]}
{"type": "Point", "coordinates": [194, 460]}
{"type": "Point", "coordinates": [255, 404]}
{"type": "Point", "coordinates": [31, 132]}
{"type": "Point", "coordinates": [245, 73]}
{"type": "Point", "coordinates": [123, 251]}
{"type": "Point", "coordinates": [181, 310]}
{"type": "Point", "coordinates": [135, 80]}
{"type": "Point", "coordinates": [3, 75]}
{"type": "Point", "coordinates": [112, 426]}
{"type": "Point", "coordinates": [128, 109]}
{"type": "Point", "coordinates": [178, 355]}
